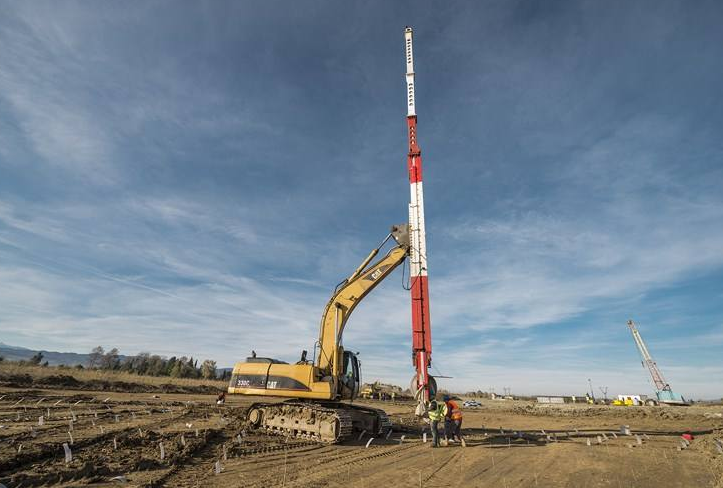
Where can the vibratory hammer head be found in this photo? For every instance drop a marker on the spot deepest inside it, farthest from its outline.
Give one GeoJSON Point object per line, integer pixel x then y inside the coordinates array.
{"type": "Point", "coordinates": [400, 233]}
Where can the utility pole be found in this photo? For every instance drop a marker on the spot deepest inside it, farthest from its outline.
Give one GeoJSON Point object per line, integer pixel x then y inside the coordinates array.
{"type": "Point", "coordinates": [423, 383]}
{"type": "Point", "coordinates": [604, 391]}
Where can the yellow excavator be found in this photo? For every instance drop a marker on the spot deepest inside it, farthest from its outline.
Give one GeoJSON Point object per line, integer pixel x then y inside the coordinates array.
{"type": "Point", "coordinates": [315, 388]}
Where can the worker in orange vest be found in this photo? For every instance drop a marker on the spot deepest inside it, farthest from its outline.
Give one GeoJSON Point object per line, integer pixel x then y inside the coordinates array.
{"type": "Point", "coordinates": [452, 420]}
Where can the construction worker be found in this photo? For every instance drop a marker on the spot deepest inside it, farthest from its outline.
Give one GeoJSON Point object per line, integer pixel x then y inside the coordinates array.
{"type": "Point", "coordinates": [457, 424]}
{"type": "Point", "coordinates": [436, 413]}
{"type": "Point", "coordinates": [452, 419]}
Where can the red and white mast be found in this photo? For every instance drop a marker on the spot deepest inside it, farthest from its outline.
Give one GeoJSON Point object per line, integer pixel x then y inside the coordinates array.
{"type": "Point", "coordinates": [421, 325]}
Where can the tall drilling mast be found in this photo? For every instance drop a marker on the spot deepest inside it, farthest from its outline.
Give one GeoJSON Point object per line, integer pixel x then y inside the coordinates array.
{"type": "Point", "coordinates": [421, 325]}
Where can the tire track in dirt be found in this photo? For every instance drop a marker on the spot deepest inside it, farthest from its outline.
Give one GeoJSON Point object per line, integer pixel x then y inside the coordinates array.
{"type": "Point", "coordinates": [358, 459]}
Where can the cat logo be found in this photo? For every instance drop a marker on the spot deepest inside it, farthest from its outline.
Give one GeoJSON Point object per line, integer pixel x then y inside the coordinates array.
{"type": "Point", "coordinates": [376, 274]}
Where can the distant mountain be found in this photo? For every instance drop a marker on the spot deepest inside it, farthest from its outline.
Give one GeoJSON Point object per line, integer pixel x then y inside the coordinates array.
{"type": "Point", "coordinates": [15, 353]}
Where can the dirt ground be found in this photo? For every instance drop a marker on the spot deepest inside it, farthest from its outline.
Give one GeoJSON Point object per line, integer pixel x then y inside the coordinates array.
{"type": "Point", "coordinates": [508, 444]}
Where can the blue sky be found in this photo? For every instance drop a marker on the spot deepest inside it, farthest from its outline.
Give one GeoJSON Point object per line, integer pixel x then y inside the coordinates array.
{"type": "Point", "coordinates": [195, 177]}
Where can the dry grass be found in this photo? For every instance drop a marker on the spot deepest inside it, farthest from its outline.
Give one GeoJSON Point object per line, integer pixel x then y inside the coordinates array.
{"type": "Point", "coordinates": [8, 368]}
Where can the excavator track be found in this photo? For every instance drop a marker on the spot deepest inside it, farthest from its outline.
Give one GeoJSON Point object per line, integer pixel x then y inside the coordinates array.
{"type": "Point", "coordinates": [325, 422]}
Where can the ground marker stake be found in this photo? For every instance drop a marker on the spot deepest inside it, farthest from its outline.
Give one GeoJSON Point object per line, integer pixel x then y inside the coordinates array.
{"type": "Point", "coordinates": [68, 453]}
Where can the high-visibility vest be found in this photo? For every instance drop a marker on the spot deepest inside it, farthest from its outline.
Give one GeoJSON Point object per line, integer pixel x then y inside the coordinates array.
{"type": "Point", "coordinates": [437, 414]}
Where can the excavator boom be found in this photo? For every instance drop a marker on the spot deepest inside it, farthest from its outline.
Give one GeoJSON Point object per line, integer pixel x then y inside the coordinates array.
{"type": "Point", "coordinates": [352, 291]}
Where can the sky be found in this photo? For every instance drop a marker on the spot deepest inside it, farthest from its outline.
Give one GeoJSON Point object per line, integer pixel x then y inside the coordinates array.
{"type": "Point", "coordinates": [194, 178]}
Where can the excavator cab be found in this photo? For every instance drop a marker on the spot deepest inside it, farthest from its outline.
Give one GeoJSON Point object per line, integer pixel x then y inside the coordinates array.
{"type": "Point", "coordinates": [351, 377]}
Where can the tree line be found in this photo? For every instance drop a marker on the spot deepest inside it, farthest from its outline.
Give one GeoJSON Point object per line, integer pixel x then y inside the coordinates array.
{"type": "Point", "coordinates": [145, 363]}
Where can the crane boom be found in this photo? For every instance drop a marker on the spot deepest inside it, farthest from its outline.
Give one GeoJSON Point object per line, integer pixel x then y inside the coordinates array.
{"type": "Point", "coordinates": [647, 359]}
{"type": "Point", "coordinates": [421, 324]}
{"type": "Point", "coordinates": [662, 389]}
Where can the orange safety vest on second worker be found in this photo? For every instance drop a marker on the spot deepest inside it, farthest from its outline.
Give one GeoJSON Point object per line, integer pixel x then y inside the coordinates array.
{"type": "Point", "coordinates": [454, 412]}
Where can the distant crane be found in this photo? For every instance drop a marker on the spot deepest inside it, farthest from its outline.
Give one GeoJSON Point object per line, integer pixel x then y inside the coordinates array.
{"type": "Point", "coordinates": [662, 388]}
{"type": "Point", "coordinates": [592, 391]}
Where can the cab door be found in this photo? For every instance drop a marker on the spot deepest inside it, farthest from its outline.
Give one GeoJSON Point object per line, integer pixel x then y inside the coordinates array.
{"type": "Point", "coordinates": [351, 380]}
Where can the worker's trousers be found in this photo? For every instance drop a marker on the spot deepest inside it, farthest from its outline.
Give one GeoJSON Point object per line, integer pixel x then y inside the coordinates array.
{"type": "Point", "coordinates": [457, 428]}
{"type": "Point", "coordinates": [452, 428]}
{"type": "Point", "coordinates": [435, 432]}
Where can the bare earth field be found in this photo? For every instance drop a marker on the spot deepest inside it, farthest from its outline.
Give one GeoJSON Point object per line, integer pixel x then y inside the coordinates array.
{"type": "Point", "coordinates": [509, 444]}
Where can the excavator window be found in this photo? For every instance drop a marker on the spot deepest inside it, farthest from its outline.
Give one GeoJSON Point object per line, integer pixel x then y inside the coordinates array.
{"type": "Point", "coordinates": [351, 374]}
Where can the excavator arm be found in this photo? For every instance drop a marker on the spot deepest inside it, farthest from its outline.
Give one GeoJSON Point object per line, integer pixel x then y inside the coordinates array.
{"type": "Point", "coordinates": [348, 295]}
